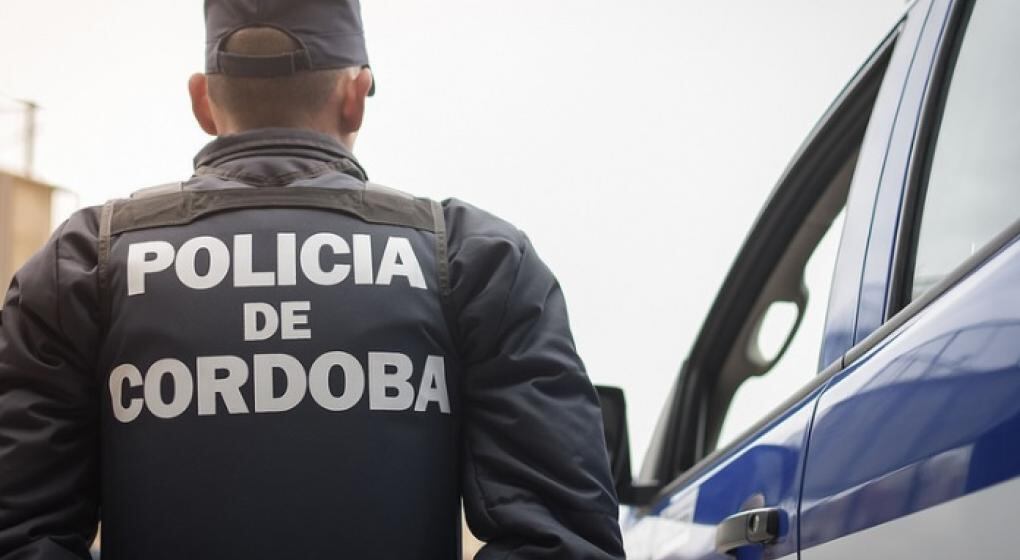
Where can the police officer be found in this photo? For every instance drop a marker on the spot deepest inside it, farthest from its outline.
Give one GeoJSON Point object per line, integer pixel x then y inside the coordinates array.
{"type": "Point", "coordinates": [278, 359]}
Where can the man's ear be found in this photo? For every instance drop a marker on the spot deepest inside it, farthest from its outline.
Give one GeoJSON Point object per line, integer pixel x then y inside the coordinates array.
{"type": "Point", "coordinates": [352, 111]}
{"type": "Point", "coordinates": [198, 87]}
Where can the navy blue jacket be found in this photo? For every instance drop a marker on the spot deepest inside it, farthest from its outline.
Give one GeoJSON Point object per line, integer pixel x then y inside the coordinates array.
{"type": "Point", "coordinates": [275, 361]}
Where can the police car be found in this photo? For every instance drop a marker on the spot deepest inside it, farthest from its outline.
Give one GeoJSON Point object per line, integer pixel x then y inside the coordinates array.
{"type": "Point", "coordinates": [903, 439]}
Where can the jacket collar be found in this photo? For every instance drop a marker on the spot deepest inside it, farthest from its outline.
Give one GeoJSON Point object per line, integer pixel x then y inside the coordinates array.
{"type": "Point", "coordinates": [274, 153]}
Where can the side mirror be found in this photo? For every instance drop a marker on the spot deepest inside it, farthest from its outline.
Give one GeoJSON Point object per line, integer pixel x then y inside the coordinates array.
{"type": "Point", "coordinates": [614, 423]}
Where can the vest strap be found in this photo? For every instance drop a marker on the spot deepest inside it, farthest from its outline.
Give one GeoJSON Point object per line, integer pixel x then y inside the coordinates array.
{"type": "Point", "coordinates": [443, 271]}
{"type": "Point", "coordinates": [157, 190]}
{"type": "Point", "coordinates": [103, 265]}
{"type": "Point", "coordinates": [181, 207]}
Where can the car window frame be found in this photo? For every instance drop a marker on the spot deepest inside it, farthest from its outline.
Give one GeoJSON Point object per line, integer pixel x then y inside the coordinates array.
{"type": "Point", "coordinates": [683, 450]}
{"type": "Point", "coordinates": [926, 133]}
{"type": "Point", "coordinates": [901, 309]}
{"type": "Point", "coordinates": [922, 154]}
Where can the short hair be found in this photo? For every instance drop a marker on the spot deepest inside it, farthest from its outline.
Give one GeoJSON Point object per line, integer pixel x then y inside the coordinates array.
{"type": "Point", "coordinates": [270, 102]}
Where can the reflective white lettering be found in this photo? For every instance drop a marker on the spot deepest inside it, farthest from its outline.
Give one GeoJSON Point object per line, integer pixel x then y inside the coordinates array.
{"type": "Point", "coordinates": [316, 259]}
{"type": "Point", "coordinates": [266, 399]}
{"type": "Point", "coordinates": [286, 259]}
{"type": "Point", "coordinates": [291, 320]}
{"type": "Point", "coordinates": [386, 371]}
{"type": "Point", "coordinates": [399, 260]}
{"type": "Point", "coordinates": [362, 259]}
{"type": "Point", "coordinates": [183, 388]}
{"type": "Point", "coordinates": [255, 311]}
{"type": "Point", "coordinates": [244, 264]}
{"type": "Point", "coordinates": [311, 259]}
{"type": "Point", "coordinates": [145, 258]}
{"type": "Point", "coordinates": [354, 381]}
{"type": "Point", "coordinates": [121, 375]}
{"type": "Point", "coordinates": [187, 264]}
{"type": "Point", "coordinates": [336, 382]}
{"type": "Point", "coordinates": [228, 388]}
{"type": "Point", "coordinates": [433, 386]}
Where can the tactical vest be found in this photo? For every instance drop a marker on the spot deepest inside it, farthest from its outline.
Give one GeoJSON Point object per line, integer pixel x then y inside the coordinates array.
{"type": "Point", "coordinates": [279, 376]}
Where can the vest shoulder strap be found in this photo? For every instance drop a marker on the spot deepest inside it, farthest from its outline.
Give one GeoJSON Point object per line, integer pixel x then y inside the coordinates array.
{"type": "Point", "coordinates": [376, 187]}
{"type": "Point", "coordinates": [443, 273]}
{"type": "Point", "coordinates": [157, 190]}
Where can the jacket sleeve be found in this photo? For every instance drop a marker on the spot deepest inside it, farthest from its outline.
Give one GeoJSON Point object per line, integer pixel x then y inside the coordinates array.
{"type": "Point", "coordinates": [49, 401]}
{"type": "Point", "coordinates": [536, 480]}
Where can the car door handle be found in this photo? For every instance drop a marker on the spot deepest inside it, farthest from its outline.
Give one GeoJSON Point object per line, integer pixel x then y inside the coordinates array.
{"type": "Point", "coordinates": [754, 526]}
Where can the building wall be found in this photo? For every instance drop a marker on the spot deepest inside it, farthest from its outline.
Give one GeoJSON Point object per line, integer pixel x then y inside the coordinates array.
{"type": "Point", "coordinates": [25, 210]}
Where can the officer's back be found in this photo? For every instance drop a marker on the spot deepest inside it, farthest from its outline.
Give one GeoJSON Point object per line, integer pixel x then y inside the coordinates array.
{"type": "Point", "coordinates": [276, 358]}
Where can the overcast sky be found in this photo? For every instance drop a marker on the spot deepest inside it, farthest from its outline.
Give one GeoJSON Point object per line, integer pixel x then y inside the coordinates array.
{"type": "Point", "coordinates": [633, 141]}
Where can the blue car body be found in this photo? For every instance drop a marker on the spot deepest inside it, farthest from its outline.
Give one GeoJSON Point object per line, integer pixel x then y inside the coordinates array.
{"type": "Point", "coordinates": [906, 444]}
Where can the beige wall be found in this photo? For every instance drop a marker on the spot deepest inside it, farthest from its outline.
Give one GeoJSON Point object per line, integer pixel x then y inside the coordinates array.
{"type": "Point", "coordinates": [25, 207]}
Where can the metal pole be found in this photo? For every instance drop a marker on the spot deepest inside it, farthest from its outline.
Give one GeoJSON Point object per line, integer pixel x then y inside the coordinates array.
{"type": "Point", "coordinates": [31, 109]}
{"type": "Point", "coordinates": [6, 235]}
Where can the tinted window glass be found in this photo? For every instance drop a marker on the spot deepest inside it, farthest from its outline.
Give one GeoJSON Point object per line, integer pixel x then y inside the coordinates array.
{"type": "Point", "coordinates": [757, 396]}
{"type": "Point", "coordinates": [973, 188]}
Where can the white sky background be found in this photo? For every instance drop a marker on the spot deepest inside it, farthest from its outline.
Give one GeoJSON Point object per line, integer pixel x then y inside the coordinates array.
{"type": "Point", "coordinates": [633, 141]}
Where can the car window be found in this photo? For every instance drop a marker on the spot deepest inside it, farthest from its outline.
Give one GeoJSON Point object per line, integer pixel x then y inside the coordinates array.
{"type": "Point", "coordinates": [757, 396]}
{"type": "Point", "coordinates": [972, 191]}
{"type": "Point", "coordinates": [761, 341]}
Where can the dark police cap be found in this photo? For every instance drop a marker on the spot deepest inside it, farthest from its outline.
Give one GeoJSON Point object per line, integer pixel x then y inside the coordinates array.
{"type": "Point", "coordinates": [329, 34]}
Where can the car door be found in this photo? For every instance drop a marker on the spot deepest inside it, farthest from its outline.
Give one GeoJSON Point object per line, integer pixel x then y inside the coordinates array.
{"type": "Point", "coordinates": [730, 443]}
{"type": "Point", "coordinates": [914, 451]}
